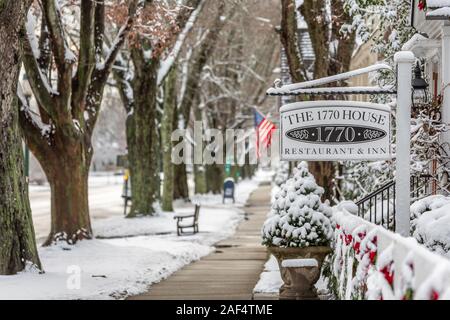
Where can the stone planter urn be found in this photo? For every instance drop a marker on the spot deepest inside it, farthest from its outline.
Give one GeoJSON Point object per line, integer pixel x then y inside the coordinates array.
{"type": "Point", "coordinates": [308, 276]}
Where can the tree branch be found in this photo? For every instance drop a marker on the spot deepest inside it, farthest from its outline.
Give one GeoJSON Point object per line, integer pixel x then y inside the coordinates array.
{"type": "Point", "coordinates": [86, 60]}
{"type": "Point", "coordinates": [99, 29]}
{"type": "Point", "coordinates": [314, 13]}
{"type": "Point", "coordinates": [32, 132]}
{"type": "Point", "coordinates": [45, 53]}
{"type": "Point", "coordinates": [44, 94]}
{"type": "Point", "coordinates": [123, 85]}
{"type": "Point", "coordinates": [289, 39]}
{"type": "Point", "coordinates": [63, 56]}
{"type": "Point", "coordinates": [185, 21]}
{"type": "Point", "coordinates": [205, 51]}
{"type": "Point", "coordinates": [102, 71]}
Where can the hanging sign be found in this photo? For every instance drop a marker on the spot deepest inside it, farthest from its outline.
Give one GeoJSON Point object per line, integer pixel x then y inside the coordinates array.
{"type": "Point", "coordinates": [335, 130]}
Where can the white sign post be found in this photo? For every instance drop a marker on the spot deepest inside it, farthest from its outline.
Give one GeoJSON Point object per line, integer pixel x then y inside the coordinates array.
{"type": "Point", "coordinates": [350, 130]}
{"type": "Point", "coordinates": [404, 61]}
{"type": "Point", "coordinates": [335, 130]}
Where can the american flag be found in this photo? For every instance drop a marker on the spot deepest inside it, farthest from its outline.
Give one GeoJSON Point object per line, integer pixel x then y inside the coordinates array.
{"type": "Point", "coordinates": [264, 128]}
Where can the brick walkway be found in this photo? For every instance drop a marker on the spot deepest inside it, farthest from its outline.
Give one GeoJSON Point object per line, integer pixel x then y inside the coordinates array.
{"type": "Point", "coordinates": [229, 273]}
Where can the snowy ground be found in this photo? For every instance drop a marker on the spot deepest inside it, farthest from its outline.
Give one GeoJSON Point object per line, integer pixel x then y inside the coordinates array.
{"type": "Point", "coordinates": [270, 280]}
{"type": "Point", "coordinates": [128, 254]}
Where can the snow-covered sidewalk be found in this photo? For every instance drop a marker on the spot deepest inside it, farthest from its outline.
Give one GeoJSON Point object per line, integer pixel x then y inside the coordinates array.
{"type": "Point", "coordinates": [129, 254]}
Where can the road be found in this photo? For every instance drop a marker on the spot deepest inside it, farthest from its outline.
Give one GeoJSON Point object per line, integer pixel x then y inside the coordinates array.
{"type": "Point", "coordinates": [104, 201]}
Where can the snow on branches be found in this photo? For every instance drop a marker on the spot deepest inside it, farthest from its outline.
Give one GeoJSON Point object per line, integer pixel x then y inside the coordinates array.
{"type": "Point", "coordinates": [389, 25]}
{"type": "Point", "coordinates": [156, 22]}
{"type": "Point", "coordinates": [430, 222]}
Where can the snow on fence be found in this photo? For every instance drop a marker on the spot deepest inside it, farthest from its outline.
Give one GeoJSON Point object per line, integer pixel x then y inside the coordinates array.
{"type": "Point", "coordinates": [370, 262]}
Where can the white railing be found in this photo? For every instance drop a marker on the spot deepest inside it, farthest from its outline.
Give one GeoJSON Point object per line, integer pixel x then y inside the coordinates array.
{"type": "Point", "coordinates": [388, 266]}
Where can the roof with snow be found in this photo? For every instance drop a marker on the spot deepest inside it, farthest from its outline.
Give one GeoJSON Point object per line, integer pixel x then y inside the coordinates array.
{"type": "Point", "coordinates": [306, 48]}
{"type": "Point", "coordinates": [433, 4]}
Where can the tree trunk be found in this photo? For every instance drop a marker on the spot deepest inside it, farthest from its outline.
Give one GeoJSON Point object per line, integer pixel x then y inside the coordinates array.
{"type": "Point", "coordinates": [314, 12]}
{"type": "Point", "coordinates": [324, 174]}
{"type": "Point", "coordinates": [180, 186]}
{"type": "Point", "coordinates": [170, 104]}
{"type": "Point", "coordinates": [327, 63]}
{"type": "Point", "coordinates": [68, 178]}
{"type": "Point", "coordinates": [200, 179]}
{"type": "Point", "coordinates": [201, 186]}
{"type": "Point", "coordinates": [214, 178]}
{"type": "Point", "coordinates": [289, 39]}
{"type": "Point", "coordinates": [17, 238]}
{"type": "Point", "coordinates": [248, 171]}
{"type": "Point", "coordinates": [143, 144]}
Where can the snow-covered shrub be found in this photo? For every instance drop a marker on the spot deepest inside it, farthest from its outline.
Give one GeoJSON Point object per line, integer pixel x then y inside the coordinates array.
{"type": "Point", "coordinates": [430, 223]}
{"type": "Point", "coordinates": [298, 217]}
{"type": "Point", "coordinates": [430, 203]}
{"type": "Point", "coordinates": [359, 178]}
{"type": "Point", "coordinates": [432, 228]}
{"type": "Point", "coordinates": [281, 174]}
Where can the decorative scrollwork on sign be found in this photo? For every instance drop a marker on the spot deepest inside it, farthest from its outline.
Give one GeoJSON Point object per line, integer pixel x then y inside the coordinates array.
{"type": "Point", "coordinates": [372, 134]}
{"type": "Point", "coordinates": [300, 134]}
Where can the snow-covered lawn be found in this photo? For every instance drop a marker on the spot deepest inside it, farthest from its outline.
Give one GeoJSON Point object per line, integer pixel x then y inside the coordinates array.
{"type": "Point", "coordinates": [129, 254]}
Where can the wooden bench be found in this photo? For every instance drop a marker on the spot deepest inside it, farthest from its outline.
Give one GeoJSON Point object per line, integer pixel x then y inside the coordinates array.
{"type": "Point", "coordinates": [191, 224]}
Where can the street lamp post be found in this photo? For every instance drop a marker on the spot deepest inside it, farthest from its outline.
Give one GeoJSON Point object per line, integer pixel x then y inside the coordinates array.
{"type": "Point", "coordinates": [420, 86]}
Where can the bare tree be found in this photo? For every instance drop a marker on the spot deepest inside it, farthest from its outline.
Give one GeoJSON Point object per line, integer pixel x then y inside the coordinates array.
{"type": "Point", "coordinates": [139, 88]}
{"type": "Point", "coordinates": [68, 87]}
{"type": "Point", "coordinates": [235, 79]}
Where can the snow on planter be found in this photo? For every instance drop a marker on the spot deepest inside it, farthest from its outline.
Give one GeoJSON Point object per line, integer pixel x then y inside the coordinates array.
{"type": "Point", "coordinates": [300, 263]}
{"type": "Point", "coordinates": [298, 217]}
